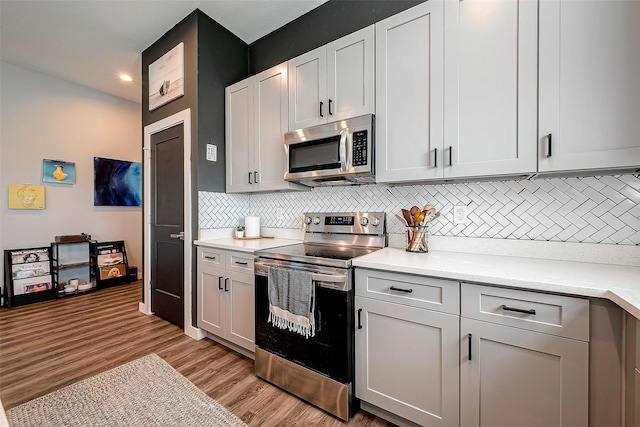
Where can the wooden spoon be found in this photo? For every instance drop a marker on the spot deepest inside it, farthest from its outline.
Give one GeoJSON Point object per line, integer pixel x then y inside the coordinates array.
{"type": "Point", "coordinates": [401, 218]}
{"type": "Point", "coordinates": [414, 211]}
{"type": "Point", "coordinates": [407, 217]}
{"type": "Point", "coordinates": [418, 218]}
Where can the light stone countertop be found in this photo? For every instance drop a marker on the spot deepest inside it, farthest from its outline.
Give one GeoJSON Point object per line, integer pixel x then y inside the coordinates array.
{"type": "Point", "coordinates": [249, 246]}
{"type": "Point", "coordinates": [620, 284]}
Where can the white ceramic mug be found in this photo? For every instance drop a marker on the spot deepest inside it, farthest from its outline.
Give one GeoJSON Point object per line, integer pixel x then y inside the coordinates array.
{"type": "Point", "coordinates": [73, 282]}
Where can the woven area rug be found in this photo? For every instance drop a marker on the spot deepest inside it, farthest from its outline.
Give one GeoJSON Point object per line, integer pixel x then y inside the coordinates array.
{"type": "Point", "coordinates": [145, 392]}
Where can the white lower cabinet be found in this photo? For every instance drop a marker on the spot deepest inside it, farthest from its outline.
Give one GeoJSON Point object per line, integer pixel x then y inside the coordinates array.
{"type": "Point", "coordinates": [406, 355]}
{"type": "Point", "coordinates": [226, 296]}
{"type": "Point", "coordinates": [434, 352]}
{"type": "Point", "coordinates": [515, 375]}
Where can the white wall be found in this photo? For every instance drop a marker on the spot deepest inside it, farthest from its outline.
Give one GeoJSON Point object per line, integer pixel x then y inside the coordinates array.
{"type": "Point", "coordinates": [43, 117]}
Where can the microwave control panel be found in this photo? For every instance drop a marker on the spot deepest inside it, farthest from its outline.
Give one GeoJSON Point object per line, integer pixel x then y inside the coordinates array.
{"type": "Point", "coordinates": [359, 154]}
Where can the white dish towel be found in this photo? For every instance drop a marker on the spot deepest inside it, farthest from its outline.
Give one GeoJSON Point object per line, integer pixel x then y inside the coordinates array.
{"type": "Point", "coordinates": [292, 300]}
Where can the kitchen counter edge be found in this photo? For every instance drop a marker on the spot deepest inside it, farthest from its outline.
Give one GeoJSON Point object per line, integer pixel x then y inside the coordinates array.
{"type": "Point", "coordinates": [620, 284]}
{"type": "Point", "coordinates": [249, 246]}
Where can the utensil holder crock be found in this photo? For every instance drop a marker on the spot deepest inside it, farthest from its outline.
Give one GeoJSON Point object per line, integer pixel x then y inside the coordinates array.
{"type": "Point", "coordinates": [417, 239]}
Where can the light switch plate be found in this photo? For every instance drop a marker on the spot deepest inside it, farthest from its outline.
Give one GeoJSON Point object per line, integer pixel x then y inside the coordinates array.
{"type": "Point", "coordinates": [212, 152]}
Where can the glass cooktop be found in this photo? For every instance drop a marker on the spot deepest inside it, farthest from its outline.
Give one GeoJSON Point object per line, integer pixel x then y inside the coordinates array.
{"type": "Point", "coordinates": [320, 254]}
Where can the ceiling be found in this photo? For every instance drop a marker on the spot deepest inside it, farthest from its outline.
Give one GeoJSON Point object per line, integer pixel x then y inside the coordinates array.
{"type": "Point", "coordinates": [90, 42]}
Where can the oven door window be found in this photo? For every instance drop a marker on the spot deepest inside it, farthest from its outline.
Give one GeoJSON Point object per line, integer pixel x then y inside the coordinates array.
{"type": "Point", "coordinates": [315, 155]}
{"type": "Point", "coordinates": [330, 351]}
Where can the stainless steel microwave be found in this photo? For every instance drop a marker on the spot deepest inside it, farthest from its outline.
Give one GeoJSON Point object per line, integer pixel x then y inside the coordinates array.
{"type": "Point", "coordinates": [335, 153]}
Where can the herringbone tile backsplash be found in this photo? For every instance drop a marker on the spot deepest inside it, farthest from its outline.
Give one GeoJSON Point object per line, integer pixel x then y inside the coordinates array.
{"type": "Point", "coordinates": [603, 209]}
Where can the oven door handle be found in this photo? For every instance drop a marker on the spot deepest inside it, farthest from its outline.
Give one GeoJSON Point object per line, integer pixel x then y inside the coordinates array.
{"type": "Point", "coordinates": [262, 269]}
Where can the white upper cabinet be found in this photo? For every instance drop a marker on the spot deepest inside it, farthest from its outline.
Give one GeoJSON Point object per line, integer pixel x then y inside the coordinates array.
{"type": "Point", "coordinates": [589, 85]}
{"type": "Point", "coordinates": [239, 135]}
{"type": "Point", "coordinates": [409, 94]}
{"type": "Point", "coordinates": [333, 82]}
{"type": "Point", "coordinates": [256, 120]}
{"type": "Point", "coordinates": [490, 92]}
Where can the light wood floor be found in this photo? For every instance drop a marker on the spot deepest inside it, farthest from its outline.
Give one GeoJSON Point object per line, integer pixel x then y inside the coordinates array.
{"type": "Point", "coordinates": [49, 345]}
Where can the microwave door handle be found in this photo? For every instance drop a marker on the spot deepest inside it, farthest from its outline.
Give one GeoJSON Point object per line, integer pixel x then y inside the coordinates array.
{"type": "Point", "coordinates": [344, 136]}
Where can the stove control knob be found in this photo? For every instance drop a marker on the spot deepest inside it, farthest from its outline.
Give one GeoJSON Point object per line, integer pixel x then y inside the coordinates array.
{"type": "Point", "coordinates": [316, 220]}
{"type": "Point", "coordinates": [375, 221]}
{"type": "Point", "coordinates": [364, 221]}
{"type": "Point", "coordinates": [307, 220]}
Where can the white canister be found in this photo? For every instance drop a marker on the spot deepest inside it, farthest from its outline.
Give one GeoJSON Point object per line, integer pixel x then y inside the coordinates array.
{"type": "Point", "coordinates": [252, 226]}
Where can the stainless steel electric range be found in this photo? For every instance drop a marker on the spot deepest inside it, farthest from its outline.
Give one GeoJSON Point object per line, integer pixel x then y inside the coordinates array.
{"type": "Point", "coordinates": [318, 368]}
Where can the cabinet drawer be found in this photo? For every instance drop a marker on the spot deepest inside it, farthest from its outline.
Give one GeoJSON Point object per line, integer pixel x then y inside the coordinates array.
{"type": "Point", "coordinates": [552, 314]}
{"type": "Point", "coordinates": [416, 291]}
{"type": "Point", "coordinates": [241, 262]}
{"type": "Point", "coordinates": [210, 256]}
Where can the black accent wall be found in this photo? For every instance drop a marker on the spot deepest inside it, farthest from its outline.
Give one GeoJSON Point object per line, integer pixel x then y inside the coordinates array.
{"type": "Point", "coordinates": [328, 22]}
{"type": "Point", "coordinates": [214, 58]}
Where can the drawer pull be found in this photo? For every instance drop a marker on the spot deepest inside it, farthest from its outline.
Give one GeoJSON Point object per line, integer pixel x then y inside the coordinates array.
{"type": "Point", "coordinates": [240, 263]}
{"type": "Point", "coordinates": [393, 288]}
{"type": "Point", "coordinates": [210, 257]}
{"type": "Point", "coordinates": [220, 283]}
{"type": "Point", "coordinates": [226, 280]}
{"type": "Point", "coordinates": [359, 322]}
{"type": "Point", "coordinates": [518, 310]}
{"type": "Point", "coordinates": [469, 346]}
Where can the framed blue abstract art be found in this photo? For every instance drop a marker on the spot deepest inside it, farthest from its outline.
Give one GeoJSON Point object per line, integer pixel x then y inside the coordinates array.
{"type": "Point", "coordinates": [117, 182]}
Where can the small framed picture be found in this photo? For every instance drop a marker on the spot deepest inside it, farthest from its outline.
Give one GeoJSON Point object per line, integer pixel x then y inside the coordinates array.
{"type": "Point", "coordinates": [26, 196]}
{"type": "Point", "coordinates": [58, 171]}
{"type": "Point", "coordinates": [166, 77]}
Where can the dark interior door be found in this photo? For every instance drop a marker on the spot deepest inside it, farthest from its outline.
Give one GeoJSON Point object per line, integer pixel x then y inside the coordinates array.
{"type": "Point", "coordinates": [167, 224]}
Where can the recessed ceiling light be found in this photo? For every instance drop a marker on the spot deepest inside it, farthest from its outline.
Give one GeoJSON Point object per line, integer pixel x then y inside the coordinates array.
{"type": "Point", "coordinates": [126, 77]}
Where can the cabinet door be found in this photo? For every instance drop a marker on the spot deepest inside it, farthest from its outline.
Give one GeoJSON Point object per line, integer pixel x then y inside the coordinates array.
{"type": "Point", "coordinates": [407, 361]}
{"type": "Point", "coordinates": [307, 89]}
{"type": "Point", "coordinates": [513, 377]}
{"type": "Point", "coordinates": [589, 85]}
{"type": "Point", "coordinates": [490, 93]}
{"type": "Point", "coordinates": [211, 308]}
{"type": "Point", "coordinates": [271, 115]}
{"type": "Point", "coordinates": [409, 95]}
{"type": "Point", "coordinates": [239, 293]}
{"type": "Point", "coordinates": [350, 75]}
{"type": "Point", "coordinates": [239, 136]}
